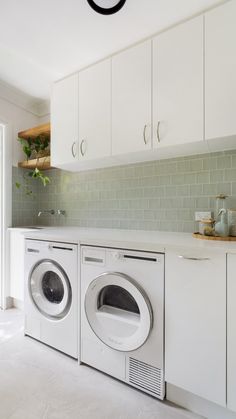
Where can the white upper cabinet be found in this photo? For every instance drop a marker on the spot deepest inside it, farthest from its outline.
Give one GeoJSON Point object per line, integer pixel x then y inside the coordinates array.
{"type": "Point", "coordinates": [231, 333]}
{"type": "Point", "coordinates": [64, 121]}
{"type": "Point", "coordinates": [131, 100]}
{"type": "Point", "coordinates": [195, 323]}
{"type": "Point", "coordinates": [178, 112]}
{"type": "Point", "coordinates": [95, 111]}
{"type": "Point", "coordinates": [220, 65]}
{"type": "Point", "coordinates": [163, 96]}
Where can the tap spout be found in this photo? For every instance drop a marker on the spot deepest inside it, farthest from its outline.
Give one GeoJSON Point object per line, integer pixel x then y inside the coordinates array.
{"type": "Point", "coordinates": [51, 212]}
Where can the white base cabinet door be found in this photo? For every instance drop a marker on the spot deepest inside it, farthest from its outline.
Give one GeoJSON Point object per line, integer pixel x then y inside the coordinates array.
{"type": "Point", "coordinates": [95, 112]}
{"type": "Point", "coordinates": [16, 261]}
{"type": "Point", "coordinates": [64, 121]}
{"type": "Point", "coordinates": [178, 111]}
{"type": "Point", "coordinates": [131, 100]}
{"type": "Point", "coordinates": [231, 333]}
{"type": "Point", "coordinates": [195, 323]}
{"type": "Point", "coordinates": [220, 69]}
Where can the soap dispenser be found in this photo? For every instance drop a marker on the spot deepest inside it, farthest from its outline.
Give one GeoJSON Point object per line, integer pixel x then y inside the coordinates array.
{"type": "Point", "coordinates": [222, 227]}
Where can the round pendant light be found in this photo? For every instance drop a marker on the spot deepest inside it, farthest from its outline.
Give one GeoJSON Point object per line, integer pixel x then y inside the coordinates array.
{"type": "Point", "coordinates": [106, 7]}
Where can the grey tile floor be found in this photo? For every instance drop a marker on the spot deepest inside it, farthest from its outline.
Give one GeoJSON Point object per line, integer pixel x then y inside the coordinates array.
{"type": "Point", "coordinates": [37, 382]}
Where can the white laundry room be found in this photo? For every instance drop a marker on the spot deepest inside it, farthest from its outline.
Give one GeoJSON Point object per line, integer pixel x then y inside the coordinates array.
{"type": "Point", "coordinates": [118, 209]}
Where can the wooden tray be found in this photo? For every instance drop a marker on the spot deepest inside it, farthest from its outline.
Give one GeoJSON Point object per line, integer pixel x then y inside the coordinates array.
{"type": "Point", "coordinates": [226, 239]}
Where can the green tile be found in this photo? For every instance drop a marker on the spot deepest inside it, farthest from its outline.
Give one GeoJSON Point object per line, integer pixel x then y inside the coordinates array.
{"type": "Point", "coordinates": [203, 177]}
{"type": "Point", "coordinates": [230, 174]}
{"type": "Point", "coordinates": [153, 195]}
{"type": "Point", "coordinates": [209, 163]}
{"type": "Point", "coordinates": [234, 188]}
{"type": "Point", "coordinates": [223, 162]}
{"type": "Point", "coordinates": [196, 190]}
{"type": "Point", "coordinates": [216, 176]}
{"type": "Point", "coordinates": [202, 203]}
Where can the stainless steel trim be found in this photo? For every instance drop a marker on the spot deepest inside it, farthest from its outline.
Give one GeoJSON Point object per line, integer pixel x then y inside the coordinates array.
{"type": "Point", "coordinates": [158, 132]}
{"type": "Point", "coordinates": [192, 258]}
{"type": "Point", "coordinates": [67, 281]}
{"type": "Point", "coordinates": [140, 290]}
{"type": "Point", "coordinates": [144, 134]}
{"type": "Point", "coordinates": [73, 150]}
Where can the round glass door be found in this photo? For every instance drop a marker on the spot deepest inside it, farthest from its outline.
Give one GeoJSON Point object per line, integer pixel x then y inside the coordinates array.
{"type": "Point", "coordinates": [118, 311]}
{"type": "Point", "coordinates": [50, 289]}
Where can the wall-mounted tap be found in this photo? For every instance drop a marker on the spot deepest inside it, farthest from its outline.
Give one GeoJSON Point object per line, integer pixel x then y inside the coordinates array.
{"type": "Point", "coordinates": [52, 212]}
{"type": "Point", "coordinates": [61, 212]}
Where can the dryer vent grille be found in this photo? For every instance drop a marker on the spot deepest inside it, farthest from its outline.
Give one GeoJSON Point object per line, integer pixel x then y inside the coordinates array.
{"type": "Point", "coordinates": [147, 378]}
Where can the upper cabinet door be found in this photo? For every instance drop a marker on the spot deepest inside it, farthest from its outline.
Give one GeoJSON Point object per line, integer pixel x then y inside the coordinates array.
{"type": "Point", "coordinates": [178, 85]}
{"type": "Point", "coordinates": [220, 35]}
{"type": "Point", "coordinates": [131, 100]}
{"type": "Point", "coordinates": [64, 121]}
{"type": "Point", "coordinates": [95, 111]}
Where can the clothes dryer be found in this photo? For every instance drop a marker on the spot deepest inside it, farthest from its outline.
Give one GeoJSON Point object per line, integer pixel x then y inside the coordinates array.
{"type": "Point", "coordinates": [122, 315]}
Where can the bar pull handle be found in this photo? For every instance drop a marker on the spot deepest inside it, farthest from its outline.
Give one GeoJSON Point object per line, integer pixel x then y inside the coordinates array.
{"type": "Point", "coordinates": [192, 258]}
{"type": "Point", "coordinates": [73, 152]}
{"type": "Point", "coordinates": [158, 132]}
{"type": "Point", "coordinates": [144, 135]}
{"type": "Point", "coordinates": [82, 151]}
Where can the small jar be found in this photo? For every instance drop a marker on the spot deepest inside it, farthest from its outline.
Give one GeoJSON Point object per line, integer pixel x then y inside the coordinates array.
{"type": "Point", "coordinates": [206, 227]}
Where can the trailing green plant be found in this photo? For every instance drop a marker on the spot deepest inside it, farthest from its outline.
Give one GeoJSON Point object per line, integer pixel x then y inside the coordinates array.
{"type": "Point", "coordinates": [33, 174]}
{"type": "Point", "coordinates": [38, 174]}
{"type": "Point", "coordinates": [33, 148]}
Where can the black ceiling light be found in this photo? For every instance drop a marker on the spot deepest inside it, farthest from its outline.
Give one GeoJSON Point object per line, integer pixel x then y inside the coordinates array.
{"type": "Point", "coordinates": [106, 7]}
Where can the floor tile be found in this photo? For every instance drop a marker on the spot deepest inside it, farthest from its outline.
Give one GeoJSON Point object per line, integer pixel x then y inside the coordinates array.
{"type": "Point", "coordinates": [37, 382]}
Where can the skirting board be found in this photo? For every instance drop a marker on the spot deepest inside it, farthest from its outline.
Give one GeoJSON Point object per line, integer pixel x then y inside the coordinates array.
{"type": "Point", "coordinates": [18, 304]}
{"type": "Point", "coordinates": [8, 303]}
{"type": "Point", "coordinates": [196, 404]}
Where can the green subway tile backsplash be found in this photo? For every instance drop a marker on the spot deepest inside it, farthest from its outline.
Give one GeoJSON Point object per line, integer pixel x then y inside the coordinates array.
{"type": "Point", "coordinates": [160, 195]}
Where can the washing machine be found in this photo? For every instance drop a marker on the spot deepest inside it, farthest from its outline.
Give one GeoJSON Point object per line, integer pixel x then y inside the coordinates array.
{"type": "Point", "coordinates": [51, 294]}
{"type": "Point", "coordinates": [122, 315]}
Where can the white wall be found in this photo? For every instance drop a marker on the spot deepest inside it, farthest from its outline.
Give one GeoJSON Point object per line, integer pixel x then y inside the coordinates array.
{"type": "Point", "coordinates": [18, 119]}
{"type": "Point", "coordinates": [44, 119]}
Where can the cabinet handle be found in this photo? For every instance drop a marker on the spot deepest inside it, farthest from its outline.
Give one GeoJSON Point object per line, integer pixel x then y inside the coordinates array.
{"type": "Point", "coordinates": [81, 148]}
{"type": "Point", "coordinates": [73, 149]}
{"type": "Point", "coordinates": [144, 134]}
{"type": "Point", "coordinates": [192, 258]}
{"type": "Point", "coordinates": [158, 132]}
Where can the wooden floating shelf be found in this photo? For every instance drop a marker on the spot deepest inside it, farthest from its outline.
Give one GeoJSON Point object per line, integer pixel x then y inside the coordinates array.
{"type": "Point", "coordinates": [223, 239]}
{"type": "Point", "coordinates": [42, 163]}
{"type": "Point", "coordinates": [36, 131]}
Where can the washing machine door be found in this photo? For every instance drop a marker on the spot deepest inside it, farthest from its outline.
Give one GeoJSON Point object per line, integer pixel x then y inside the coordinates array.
{"type": "Point", "coordinates": [50, 289]}
{"type": "Point", "coordinates": [118, 311]}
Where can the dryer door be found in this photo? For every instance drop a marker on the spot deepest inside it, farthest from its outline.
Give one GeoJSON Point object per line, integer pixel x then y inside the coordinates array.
{"type": "Point", "coordinates": [118, 311]}
{"type": "Point", "coordinates": [50, 289]}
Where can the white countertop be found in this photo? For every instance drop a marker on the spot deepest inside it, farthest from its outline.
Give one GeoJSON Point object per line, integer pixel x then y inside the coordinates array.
{"type": "Point", "coordinates": [129, 239]}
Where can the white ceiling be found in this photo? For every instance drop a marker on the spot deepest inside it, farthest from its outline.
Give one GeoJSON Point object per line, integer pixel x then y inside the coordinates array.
{"type": "Point", "coordinates": [43, 40]}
